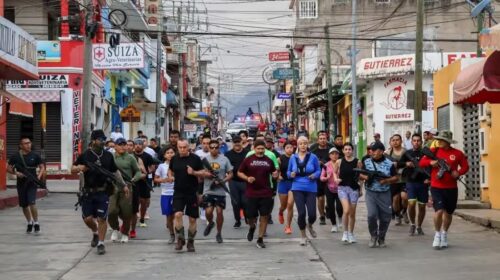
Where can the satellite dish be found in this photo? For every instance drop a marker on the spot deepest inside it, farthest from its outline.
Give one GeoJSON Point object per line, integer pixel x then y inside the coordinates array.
{"type": "Point", "coordinates": [480, 7]}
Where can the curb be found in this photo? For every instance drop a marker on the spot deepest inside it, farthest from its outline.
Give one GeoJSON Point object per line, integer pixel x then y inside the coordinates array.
{"type": "Point", "coordinates": [13, 201]}
{"type": "Point", "coordinates": [483, 221]}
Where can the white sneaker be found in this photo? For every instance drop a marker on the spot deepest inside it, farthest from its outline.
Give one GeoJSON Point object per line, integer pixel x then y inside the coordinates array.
{"type": "Point", "coordinates": [143, 225]}
{"type": "Point", "coordinates": [303, 241]}
{"type": "Point", "coordinates": [124, 238]}
{"type": "Point", "coordinates": [437, 240]}
{"type": "Point", "coordinates": [344, 237]}
{"type": "Point", "coordinates": [334, 228]}
{"type": "Point", "coordinates": [444, 240]}
{"type": "Point", "coordinates": [202, 215]}
{"type": "Point", "coordinates": [351, 238]}
{"type": "Point", "coordinates": [115, 236]}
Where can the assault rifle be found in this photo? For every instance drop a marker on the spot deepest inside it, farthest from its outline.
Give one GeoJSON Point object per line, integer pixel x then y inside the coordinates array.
{"type": "Point", "coordinates": [372, 175]}
{"type": "Point", "coordinates": [217, 183]}
{"type": "Point", "coordinates": [442, 164]}
{"type": "Point", "coordinates": [418, 169]}
{"type": "Point", "coordinates": [110, 176]}
{"type": "Point", "coordinates": [30, 177]}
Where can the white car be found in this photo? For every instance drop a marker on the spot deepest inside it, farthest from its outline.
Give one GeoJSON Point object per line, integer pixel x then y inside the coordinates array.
{"type": "Point", "coordinates": [234, 129]}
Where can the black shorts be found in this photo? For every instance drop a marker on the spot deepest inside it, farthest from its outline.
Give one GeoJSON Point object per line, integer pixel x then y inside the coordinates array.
{"type": "Point", "coordinates": [398, 188]}
{"type": "Point", "coordinates": [95, 205]}
{"type": "Point", "coordinates": [444, 199]}
{"type": "Point", "coordinates": [187, 204]}
{"type": "Point", "coordinates": [259, 206]}
{"type": "Point", "coordinates": [200, 188]}
{"type": "Point", "coordinates": [135, 199]}
{"type": "Point", "coordinates": [144, 190]}
{"type": "Point", "coordinates": [26, 195]}
{"type": "Point", "coordinates": [321, 188]}
{"type": "Point", "coordinates": [210, 200]}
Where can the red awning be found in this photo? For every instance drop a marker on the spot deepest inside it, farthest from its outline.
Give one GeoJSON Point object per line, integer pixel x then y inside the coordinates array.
{"type": "Point", "coordinates": [17, 106]}
{"type": "Point", "coordinates": [479, 82]}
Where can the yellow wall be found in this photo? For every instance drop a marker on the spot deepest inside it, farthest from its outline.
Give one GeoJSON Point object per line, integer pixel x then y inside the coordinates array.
{"type": "Point", "coordinates": [442, 80]}
{"type": "Point", "coordinates": [491, 160]}
{"type": "Point", "coordinates": [344, 116]}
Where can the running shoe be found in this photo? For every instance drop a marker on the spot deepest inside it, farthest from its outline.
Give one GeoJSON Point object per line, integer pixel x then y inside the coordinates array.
{"type": "Point", "coordinates": [373, 242]}
{"type": "Point", "coordinates": [344, 237]}
{"type": "Point", "coordinates": [334, 228]}
{"type": "Point", "coordinates": [250, 234]}
{"type": "Point", "coordinates": [351, 238]}
{"type": "Point", "coordinates": [444, 240]}
{"type": "Point", "coordinates": [143, 225]}
{"type": "Point", "coordinates": [260, 243]}
{"type": "Point", "coordinates": [29, 229]}
{"type": "Point", "coordinates": [203, 217]}
{"type": "Point", "coordinates": [281, 218]}
{"type": "Point", "coordinates": [172, 239]}
{"type": "Point", "coordinates": [132, 234]}
{"type": "Point", "coordinates": [303, 241]}
{"type": "Point", "coordinates": [190, 246]}
{"type": "Point", "coordinates": [101, 250]}
{"type": "Point", "coordinates": [399, 220]}
{"type": "Point", "coordinates": [288, 230]}
{"type": "Point", "coordinates": [237, 224]}
{"type": "Point", "coordinates": [322, 220]}
{"type": "Point", "coordinates": [420, 231]}
{"type": "Point", "coordinates": [37, 228]}
{"type": "Point", "coordinates": [114, 236]}
{"type": "Point", "coordinates": [270, 220]}
{"type": "Point", "coordinates": [180, 243]}
{"type": "Point", "coordinates": [209, 228]}
{"type": "Point", "coordinates": [95, 240]}
{"type": "Point", "coordinates": [381, 243]}
{"type": "Point", "coordinates": [312, 232]}
{"type": "Point", "coordinates": [413, 229]}
{"type": "Point", "coordinates": [147, 216]}
{"type": "Point", "coordinates": [437, 240]}
{"type": "Point", "coordinates": [124, 239]}
{"type": "Point", "coordinates": [218, 238]}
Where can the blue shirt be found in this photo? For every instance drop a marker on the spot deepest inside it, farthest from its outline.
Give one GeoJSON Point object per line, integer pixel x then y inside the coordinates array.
{"type": "Point", "coordinates": [223, 149]}
{"type": "Point", "coordinates": [383, 165]}
{"type": "Point", "coordinates": [304, 183]}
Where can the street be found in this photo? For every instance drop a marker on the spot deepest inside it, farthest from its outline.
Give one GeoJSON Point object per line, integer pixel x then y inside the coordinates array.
{"type": "Point", "coordinates": [62, 251]}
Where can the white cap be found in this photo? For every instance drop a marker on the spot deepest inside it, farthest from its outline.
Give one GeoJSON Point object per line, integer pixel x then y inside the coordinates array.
{"type": "Point", "coordinates": [433, 131]}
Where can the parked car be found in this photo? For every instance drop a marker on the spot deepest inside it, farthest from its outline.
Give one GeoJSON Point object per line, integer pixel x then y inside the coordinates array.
{"type": "Point", "coordinates": [234, 129]}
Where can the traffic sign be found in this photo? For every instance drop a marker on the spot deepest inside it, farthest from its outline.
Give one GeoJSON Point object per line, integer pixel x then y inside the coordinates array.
{"type": "Point", "coordinates": [267, 76]}
{"type": "Point", "coordinates": [285, 73]}
{"type": "Point", "coordinates": [284, 95]}
{"type": "Point", "coordinates": [279, 56]}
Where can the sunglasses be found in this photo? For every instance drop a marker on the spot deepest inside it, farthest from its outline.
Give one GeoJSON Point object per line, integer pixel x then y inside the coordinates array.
{"type": "Point", "coordinates": [214, 147]}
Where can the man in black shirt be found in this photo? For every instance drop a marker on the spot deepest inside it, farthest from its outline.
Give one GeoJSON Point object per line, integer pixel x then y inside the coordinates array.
{"type": "Point", "coordinates": [244, 140]}
{"type": "Point", "coordinates": [236, 184]}
{"type": "Point", "coordinates": [26, 189]}
{"type": "Point", "coordinates": [143, 186]}
{"type": "Point", "coordinates": [339, 144]}
{"type": "Point", "coordinates": [322, 152]}
{"type": "Point", "coordinates": [96, 187]}
{"type": "Point", "coordinates": [185, 167]}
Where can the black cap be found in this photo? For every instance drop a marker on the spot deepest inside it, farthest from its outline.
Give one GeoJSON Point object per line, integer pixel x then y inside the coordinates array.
{"type": "Point", "coordinates": [120, 141]}
{"type": "Point", "coordinates": [97, 134]}
{"type": "Point", "coordinates": [236, 139]}
{"type": "Point", "coordinates": [377, 146]}
{"type": "Point", "coordinates": [270, 139]}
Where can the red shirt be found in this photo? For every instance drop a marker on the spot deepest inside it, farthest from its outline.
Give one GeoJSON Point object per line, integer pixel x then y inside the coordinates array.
{"type": "Point", "coordinates": [454, 158]}
{"type": "Point", "coordinates": [260, 168]}
{"type": "Point", "coordinates": [261, 127]}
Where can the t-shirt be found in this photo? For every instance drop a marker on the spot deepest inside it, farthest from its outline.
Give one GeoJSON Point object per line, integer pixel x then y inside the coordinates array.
{"type": "Point", "coordinates": [32, 160]}
{"type": "Point", "coordinates": [115, 135]}
{"type": "Point", "coordinates": [322, 154]}
{"type": "Point", "coordinates": [93, 178]}
{"type": "Point", "coordinates": [202, 154]}
{"type": "Point", "coordinates": [236, 159]}
{"type": "Point", "coordinates": [455, 158]}
{"type": "Point", "coordinates": [151, 152]}
{"type": "Point", "coordinates": [162, 172]}
{"type": "Point", "coordinates": [260, 168]}
{"type": "Point", "coordinates": [221, 166]}
{"type": "Point", "coordinates": [148, 161]}
{"type": "Point", "coordinates": [128, 167]}
{"type": "Point", "coordinates": [184, 183]}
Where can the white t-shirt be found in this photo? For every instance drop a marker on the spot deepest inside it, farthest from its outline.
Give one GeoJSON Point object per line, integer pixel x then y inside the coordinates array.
{"type": "Point", "coordinates": [151, 152]}
{"type": "Point", "coordinates": [202, 154]}
{"type": "Point", "coordinates": [115, 135]}
{"type": "Point", "coordinates": [162, 172]}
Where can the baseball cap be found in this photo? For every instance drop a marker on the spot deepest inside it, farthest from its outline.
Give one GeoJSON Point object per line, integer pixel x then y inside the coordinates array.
{"type": "Point", "coordinates": [236, 139]}
{"type": "Point", "coordinates": [282, 140]}
{"type": "Point", "coordinates": [433, 131]}
{"type": "Point", "coordinates": [138, 141]}
{"type": "Point", "coordinates": [270, 139]}
{"type": "Point", "coordinates": [97, 134]}
{"type": "Point", "coordinates": [333, 150]}
{"type": "Point", "coordinates": [377, 146]}
{"type": "Point", "coordinates": [120, 141]}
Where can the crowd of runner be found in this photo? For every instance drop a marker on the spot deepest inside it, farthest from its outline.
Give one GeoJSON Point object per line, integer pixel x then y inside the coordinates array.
{"type": "Point", "coordinates": [321, 180]}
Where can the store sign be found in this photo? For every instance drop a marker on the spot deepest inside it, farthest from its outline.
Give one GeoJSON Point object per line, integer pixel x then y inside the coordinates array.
{"type": "Point", "coordinates": [18, 47]}
{"type": "Point", "coordinates": [77, 116]}
{"type": "Point", "coordinates": [179, 47]}
{"type": "Point", "coordinates": [123, 56]}
{"type": "Point", "coordinates": [284, 95]}
{"type": "Point", "coordinates": [48, 51]}
{"type": "Point", "coordinates": [44, 82]}
{"type": "Point", "coordinates": [395, 100]}
{"type": "Point", "coordinates": [285, 73]}
{"type": "Point", "coordinates": [152, 15]}
{"type": "Point", "coordinates": [130, 114]}
{"type": "Point", "coordinates": [386, 65]}
{"type": "Point", "coordinates": [279, 56]}
{"type": "Point", "coordinates": [452, 57]}
{"type": "Point", "coordinates": [189, 127]}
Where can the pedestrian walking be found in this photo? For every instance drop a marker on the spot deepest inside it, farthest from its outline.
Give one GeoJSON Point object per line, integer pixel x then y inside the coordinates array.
{"type": "Point", "coordinates": [321, 150]}
{"type": "Point", "coordinates": [237, 185]}
{"type": "Point", "coordinates": [285, 189]}
{"type": "Point", "coordinates": [304, 169]}
{"type": "Point", "coordinates": [330, 175]}
{"type": "Point", "coordinates": [398, 189]}
{"type": "Point", "coordinates": [144, 186]}
{"type": "Point", "coordinates": [28, 161]}
{"type": "Point", "coordinates": [167, 190]}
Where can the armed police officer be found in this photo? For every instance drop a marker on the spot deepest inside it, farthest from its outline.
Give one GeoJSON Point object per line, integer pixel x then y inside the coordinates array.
{"type": "Point", "coordinates": [97, 187]}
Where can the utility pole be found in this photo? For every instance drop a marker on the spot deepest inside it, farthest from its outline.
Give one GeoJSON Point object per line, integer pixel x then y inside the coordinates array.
{"type": "Point", "coordinates": [270, 104]}
{"type": "Point", "coordinates": [330, 109]}
{"type": "Point", "coordinates": [87, 78]}
{"type": "Point", "coordinates": [181, 75]}
{"type": "Point", "coordinates": [419, 45]}
{"type": "Point", "coordinates": [258, 106]}
{"type": "Point", "coordinates": [158, 80]}
{"type": "Point", "coordinates": [480, 22]}
{"type": "Point", "coordinates": [200, 80]}
{"type": "Point", "coordinates": [354, 89]}
{"type": "Point", "coordinates": [294, 92]}
{"type": "Point", "coordinates": [218, 104]}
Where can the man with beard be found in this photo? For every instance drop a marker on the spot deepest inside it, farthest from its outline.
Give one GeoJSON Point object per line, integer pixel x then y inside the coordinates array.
{"type": "Point", "coordinates": [236, 184]}
{"type": "Point", "coordinates": [143, 186]}
{"type": "Point", "coordinates": [322, 152]}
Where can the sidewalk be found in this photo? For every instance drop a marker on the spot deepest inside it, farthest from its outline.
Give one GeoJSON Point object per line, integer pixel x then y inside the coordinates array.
{"type": "Point", "coordinates": [489, 218]}
{"type": "Point", "coordinates": [9, 198]}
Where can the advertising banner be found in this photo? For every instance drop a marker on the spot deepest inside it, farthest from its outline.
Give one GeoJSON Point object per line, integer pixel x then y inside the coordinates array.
{"type": "Point", "coordinates": [123, 56]}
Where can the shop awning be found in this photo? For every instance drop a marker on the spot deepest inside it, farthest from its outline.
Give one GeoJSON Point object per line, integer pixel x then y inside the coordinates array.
{"type": "Point", "coordinates": [37, 95]}
{"type": "Point", "coordinates": [17, 106]}
{"type": "Point", "coordinates": [479, 82]}
{"type": "Point", "coordinates": [197, 115]}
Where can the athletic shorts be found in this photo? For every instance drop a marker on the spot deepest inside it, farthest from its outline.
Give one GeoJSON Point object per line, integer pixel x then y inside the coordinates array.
{"type": "Point", "coordinates": [259, 206]}
{"type": "Point", "coordinates": [135, 199]}
{"type": "Point", "coordinates": [166, 205]}
{"type": "Point", "coordinates": [398, 188]}
{"type": "Point", "coordinates": [418, 192]}
{"type": "Point", "coordinates": [321, 188]}
{"type": "Point", "coordinates": [347, 193]}
{"type": "Point", "coordinates": [26, 195]}
{"type": "Point", "coordinates": [95, 205]}
{"type": "Point", "coordinates": [444, 199]}
{"type": "Point", "coordinates": [284, 186]}
{"type": "Point", "coordinates": [210, 200]}
{"type": "Point", "coordinates": [188, 204]}
{"type": "Point", "coordinates": [144, 190]}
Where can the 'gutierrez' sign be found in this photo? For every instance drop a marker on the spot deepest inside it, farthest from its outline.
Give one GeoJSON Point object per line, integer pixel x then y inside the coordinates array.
{"type": "Point", "coordinates": [123, 56]}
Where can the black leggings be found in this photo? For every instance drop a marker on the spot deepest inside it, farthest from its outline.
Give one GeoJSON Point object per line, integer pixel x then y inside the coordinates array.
{"type": "Point", "coordinates": [333, 204]}
{"type": "Point", "coordinates": [305, 200]}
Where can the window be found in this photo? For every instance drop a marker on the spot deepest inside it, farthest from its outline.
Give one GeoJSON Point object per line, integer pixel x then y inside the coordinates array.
{"type": "Point", "coordinates": [308, 9]}
{"type": "Point", "coordinates": [340, 2]}
{"type": "Point", "coordinates": [483, 142]}
{"type": "Point", "coordinates": [9, 12]}
{"type": "Point", "coordinates": [443, 117]}
{"type": "Point", "coordinates": [482, 112]}
{"type": "Point", "coordinates": [483, 174]}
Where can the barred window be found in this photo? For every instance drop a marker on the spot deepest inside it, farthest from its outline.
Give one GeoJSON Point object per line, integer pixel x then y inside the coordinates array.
{"type": "Point", "coordinates": [308, 9]}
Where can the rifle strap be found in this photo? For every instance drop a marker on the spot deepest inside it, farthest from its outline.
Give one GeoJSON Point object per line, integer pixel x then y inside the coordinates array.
{"type": "Point", "coordinates": [374, 166]}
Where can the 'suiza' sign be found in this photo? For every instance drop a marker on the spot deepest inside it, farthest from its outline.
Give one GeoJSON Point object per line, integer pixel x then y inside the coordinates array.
{"type": "Point", "coordinates": [123, 56]}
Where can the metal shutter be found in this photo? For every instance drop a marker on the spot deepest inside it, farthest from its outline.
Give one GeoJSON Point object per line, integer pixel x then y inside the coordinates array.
{"type": "Point", "coordinates": [471, 149]}
{"type": "Point", "coordinates": [53, 133]}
